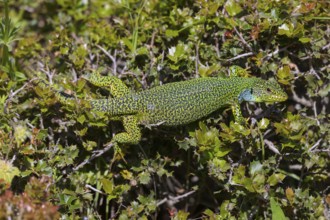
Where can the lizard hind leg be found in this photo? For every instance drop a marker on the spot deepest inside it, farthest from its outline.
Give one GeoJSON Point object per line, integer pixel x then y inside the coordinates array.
{"type": "Point", "coordinates": [115, 86]}
{"type": "Point", "coordinates": [132, 134]}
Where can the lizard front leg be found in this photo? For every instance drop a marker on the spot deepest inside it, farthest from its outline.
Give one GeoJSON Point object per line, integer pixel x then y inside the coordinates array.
{"type": "Point", "coordinates": [236, 109]}
{"type": "Point", "coordinates": [115, 86]}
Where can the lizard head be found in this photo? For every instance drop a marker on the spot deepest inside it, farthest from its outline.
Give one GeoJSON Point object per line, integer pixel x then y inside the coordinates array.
{"type": "Point", "coordinates": [261, 90]}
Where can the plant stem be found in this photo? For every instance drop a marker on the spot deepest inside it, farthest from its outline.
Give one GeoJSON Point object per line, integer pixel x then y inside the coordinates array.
{"type": "Point", "coordinates": [5, 49]}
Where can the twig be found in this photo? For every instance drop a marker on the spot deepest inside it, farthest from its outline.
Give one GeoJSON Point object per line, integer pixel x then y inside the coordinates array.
{"type": "Point", "coordinates": [243, 40]}
{"type": "Point", "coordinates": [276, 52]}
{"type": "Point", "coordinates": [326, 46]}
{"type": "Point", "coordinates": [112, 58]}
{"type": "Point", "coordinates": [196, 61]}
{"type": "Point", "coordinates": [50, 74]}
{"type": "Point", "coordinates": [13, 159]}
{"type": "Point", "coordinates": [315, 145]}
{"type": "Point", "coordinates": [175, 199]}
{"type": "Point", "coordinates": [295, 167]}
{"type": "Point", "coordinates": [232, 166]}
{"type": "Point", "coordinates": [315, 113]}
{"type": "Point", "coordinates": [240, 56]}
{"type": "Point", "coordinates": [324, 68]}
{"type": "Point", "coordinates": [94, 189]}
{"type": "Point", "coordinates": [95, 155]}
{"type": "Point", "coordinates": [302, 101]}
{"type": "Point", "coordinates": [272, 146]}
{"type": "Point", "coordinates": [154, 125]}
{"type": "Point", "coordinates": [216, 39]}
{"type": "Point", "coordinates": [311, 68]}
{"type": "Point", "coordinates": [12, 94]}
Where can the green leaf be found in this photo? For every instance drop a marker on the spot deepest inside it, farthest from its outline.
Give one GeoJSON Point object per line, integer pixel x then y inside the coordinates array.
{"type": "Point", "coordinates": [277, 212]}
{"type": "Point", "coordinates": [263, 124]}
{"type": "Point", "coordinates": [144, 177]}
{"type": "Point", "coordinates": [232, 7]}
{"type": "Point", "coordinates": [8, 171]}
{"type": "Point", "coordinates": [304, 40]}
{"type": "Point", "coordinates": [176, 53]}
{"type": "Point", "coordinates": [255, 167]}
{"type": "Point", "coordinates": [107, 185]}
{"type": "Point", "coordinates": [171, 33]}
{"type": "Point", "coordinates": [275, 178]}
{"type": "Point", "coordinates": [128, 44]}
{"type": "Point", "coordinates": [181, 215]}
{"type": "Point", "coordinates": [142, 51]}
{"type": "Point", "coordinates": [284, 72]}
{"type": "Point", "coordinates": [81, 119]}
{"type": "Point", "coordinates": [286, 29]}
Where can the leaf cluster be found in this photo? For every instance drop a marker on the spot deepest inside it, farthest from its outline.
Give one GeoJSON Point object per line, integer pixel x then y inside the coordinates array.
{"type": "Point", "coordinates": [56, 159]}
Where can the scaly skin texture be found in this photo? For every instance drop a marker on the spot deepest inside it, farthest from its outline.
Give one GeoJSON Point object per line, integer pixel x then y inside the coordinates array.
{"type": "Point", "coordinates": [176, 103]}
{"type": "Point", "coordinates": [180, 103]}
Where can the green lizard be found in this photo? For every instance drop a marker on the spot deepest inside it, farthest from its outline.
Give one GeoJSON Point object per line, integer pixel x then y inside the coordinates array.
{"type": "Point", "coordinates": [179, 103]}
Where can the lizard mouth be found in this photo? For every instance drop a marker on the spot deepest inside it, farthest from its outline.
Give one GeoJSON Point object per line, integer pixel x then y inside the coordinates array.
{"type": "Point", "coordinates": [281, 97]}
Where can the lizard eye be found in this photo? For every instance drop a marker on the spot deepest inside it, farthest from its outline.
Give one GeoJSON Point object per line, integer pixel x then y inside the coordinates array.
{"type": "Point", "coordinates": [269, 90]}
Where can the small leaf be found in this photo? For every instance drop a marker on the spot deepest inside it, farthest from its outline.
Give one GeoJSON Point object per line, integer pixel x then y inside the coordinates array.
{"type": "Point", "coordinates": [171, 33]}
{"type": "Point", "coordinates": [107, 185]}
{"type": "Point", "coordinates": [232, 7]}
{"type": "Point", "coordinates": [181, 215]}
{"type": "Point", "coordinates": [284, 72]}
{"type": "Point", "coordinates": [277, 212]}
{"type": "Point", "coordinates": [144, 177]}
{"type": "Point", "coordinates": [304, 40]}
{"type": "Point", "coordinates": [81, 119]}
{"type": "Point", "coordinates": [128, 44]}
{"type": "Point", "coordinates": [142, 51]}
{"type": "Point", "coordinates": [256, 167]}
{"type": "Point", "coordinates": [263, 124]}
{"type": "Point", "coordinates": [286, 29]}
{"type": "Point", "coordinates": [8, 171]}
{"type": "Point", "coordinates": [275, 178]}
{"type": "Point", "coordinates": [289, 194]}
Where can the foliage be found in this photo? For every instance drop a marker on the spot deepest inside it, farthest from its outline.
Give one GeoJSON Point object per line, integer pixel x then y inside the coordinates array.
{"type": "Point", "coordinates": [55, 160]}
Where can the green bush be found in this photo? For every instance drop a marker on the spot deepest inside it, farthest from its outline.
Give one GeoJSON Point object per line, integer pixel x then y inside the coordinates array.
{"type": "Point", "coordinates": [55, 160]}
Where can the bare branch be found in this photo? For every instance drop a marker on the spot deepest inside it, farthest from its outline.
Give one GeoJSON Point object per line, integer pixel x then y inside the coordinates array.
{"type": "Point", "coordinates": [94, 189]}
{"type": "Point", "coordinates": [276, 52]}
{"type": "Point", "coordinates": [13, 94]}
{"type": "Point", "coordinates": [112, 58]}
{"type": "Point", "coordinates": [243, 40]}
{"type": "Point", "coordinates": [272, 147]}
{"type": "Point", "coordinates": [302, 101]}
{"type": "Point", "coordinates": [315, 113]}
{"type": "Point", "coordinates": [95, 155]}
{"type": "Point", "coordinates": [196, 60]}
{"type": "Point", "coordinates": [176, 199]}
{"type": "Point", "coordinates": [315, 145]}
{"type": "Point", "coordinates": [240, 56]}
{"type": "Point", "coordinates": [326, 46]}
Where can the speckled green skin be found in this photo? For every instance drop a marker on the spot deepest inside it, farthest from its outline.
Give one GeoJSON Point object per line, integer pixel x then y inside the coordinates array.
{"type": "Point", "coordinates": [176, 103]}
{"type": "Point", "coordinates": [180, 103]}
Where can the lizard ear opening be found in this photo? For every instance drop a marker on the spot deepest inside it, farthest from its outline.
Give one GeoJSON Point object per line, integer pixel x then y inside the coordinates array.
{"type": "Point", "coordinates": [269, 90]}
